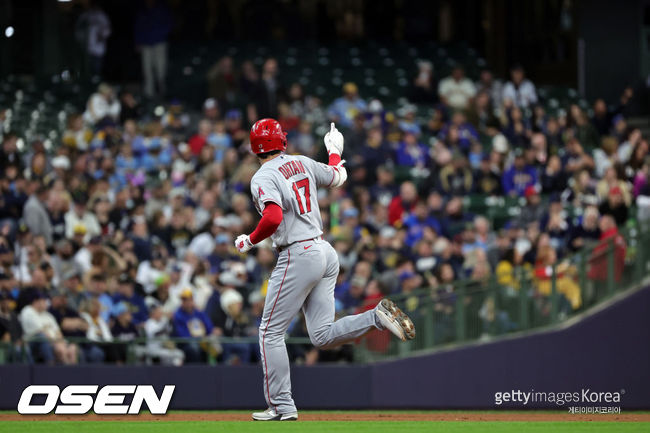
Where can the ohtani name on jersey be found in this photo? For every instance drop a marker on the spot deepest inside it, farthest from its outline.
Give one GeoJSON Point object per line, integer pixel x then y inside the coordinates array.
{"type": "Point", "coordinates": [291, 168]}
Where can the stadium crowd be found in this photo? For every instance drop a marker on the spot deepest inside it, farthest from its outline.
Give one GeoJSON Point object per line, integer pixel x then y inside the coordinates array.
{"type": "Point", "coordinates": [124, 229]}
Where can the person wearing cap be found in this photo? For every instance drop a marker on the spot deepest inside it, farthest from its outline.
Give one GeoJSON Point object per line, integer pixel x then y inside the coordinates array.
{"type": "Point", "coordinates": [79, 215]}
{"type": "Point", "coordinates": [35, 214]}
{"type": "Point", "coordinates": [221, 253]}
{"type": "Point", "coordinates": [127, 296]}
{"type": "Point", "coordinates": [44, 335]}
{"type": "Point", "coordinates": [534, 209]}
{"type": "Point", "coordinates": [234, 127]}
{"type": "Point", "coordinates": [519, 176]}
{"type": "Point", "coordinates": [191, 323]}
{"type": "Point", "coordinates": [344, 109]}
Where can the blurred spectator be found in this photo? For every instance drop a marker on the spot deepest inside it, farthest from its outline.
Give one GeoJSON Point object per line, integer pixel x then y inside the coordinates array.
{"type": "Point", "coordinates": [102, 106]}
{"type": "Point", "coordinates": [11, 331]}
{"type": "Point", "coordinates": [98, 332]}
{"type": "Point", "coordinates": [486, 179]}
{"type": "Point", "coordinates": [481, 114]}
{"type": "Point", "coordinates": [615, 206]}
{"type": "Point", "coordinates": [491, 87]}
{"type": "Point", "coordinates": [456, 177]}
{"type": "Point", "coordinates": [520, 176]}
{"type": "Point", "coordinates": [222, 80]}
{"type": "Point", "coordinates": [36, 216]}
{"type": "Point", "coordinates": [546, 265]}
{"type": "Point", "coordinates": [153, 23]}
{"type": "Point", "coordinates": [534, 209]}
{"type": "Point", "coordinates": [76, 135]}
{"type": "Point", "coordinates": [611, 242]}
{"type": "Point", "coordinates": [584, 131]}
{"type": "Point", "coordinates": [344, 109]}
{"type": "Point", "coordinates": [410, 152]}
{"type": "Point", "coordinates": [193, 325]}
{"type": "Point", "coordinates": [123, 330]}
{"type": "Point", "coordinates": [586, 233]}
{"type": "Point", "coordinates": [270, 90]}
{"type": "Point", "coordinates": [576, 158]}
{"type": "Point", "coordinates": [44, 335]}
{"type": "Point", "coordinates": [456, 91]}
{"type": "Point", "coordinates": [158, 330]}
{"type": "Point", "coordinates": [519, 90]}
{"type": "Point", "coordinates": [92, 29]}
{"type": "Point", "coordinates": [402, 204]}
{"type": "Point", "coordinates": [126, 296]}
{"type": "Point", "coordinates": [234, 322]}
{"type": "Point", "coordinates": [424, 85]}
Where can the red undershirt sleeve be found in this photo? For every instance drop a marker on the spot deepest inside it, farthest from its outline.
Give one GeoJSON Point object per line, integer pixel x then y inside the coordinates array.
{"type": "Point", "coordinates": [271, 219]}
{"type": "Point", "coordinates": [334, 159]}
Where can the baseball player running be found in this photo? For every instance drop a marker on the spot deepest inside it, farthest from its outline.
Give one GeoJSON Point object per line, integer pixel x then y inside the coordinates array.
{"type": "Point", "coordinates": [284, 190]}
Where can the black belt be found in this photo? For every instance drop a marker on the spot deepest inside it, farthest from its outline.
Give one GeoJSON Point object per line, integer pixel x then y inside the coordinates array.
{"type": "Point", "coordinates": [284, 247]}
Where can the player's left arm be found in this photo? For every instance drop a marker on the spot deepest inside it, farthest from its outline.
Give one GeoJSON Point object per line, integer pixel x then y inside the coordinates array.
{"type": "Point", "coordinates": [334, 144]}
{"type": "Point", "coordinates": [267, 199]}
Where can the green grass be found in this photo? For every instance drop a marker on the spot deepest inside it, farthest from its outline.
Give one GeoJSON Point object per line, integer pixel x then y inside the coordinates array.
{"type": "Point", "coordinates": [318, 427]}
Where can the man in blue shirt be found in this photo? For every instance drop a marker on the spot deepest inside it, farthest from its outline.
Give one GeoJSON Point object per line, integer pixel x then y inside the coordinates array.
{"type": "Point", "coordinates": [517, 178]}
{"type": "Point", "coordinates": [134, 302]}
{"type": "Point", "coordinates": [189, 322]}
{"type": "Point", "coordinates": [344, 109]}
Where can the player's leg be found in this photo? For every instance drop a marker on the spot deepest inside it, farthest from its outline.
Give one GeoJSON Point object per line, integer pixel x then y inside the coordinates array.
{"type": "Point", "coordinates": [319, 310]}
{"type": "Point", "coordinates": [319, 313]}
{"type": "Point", "coordinates": [289, 284]}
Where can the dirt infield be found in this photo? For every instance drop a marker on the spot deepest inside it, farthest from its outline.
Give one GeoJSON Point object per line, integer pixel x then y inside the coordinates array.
{"type": "Point", "coordinates": [348, 416]}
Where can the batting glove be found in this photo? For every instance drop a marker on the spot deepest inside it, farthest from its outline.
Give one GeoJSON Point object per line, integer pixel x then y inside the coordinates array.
{"type": "Point", "coordinates": [243, 243]}
{"type": "Point", "coordinates": [334, 141]}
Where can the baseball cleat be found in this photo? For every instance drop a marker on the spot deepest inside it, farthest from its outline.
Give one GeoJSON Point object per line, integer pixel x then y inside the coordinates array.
{"type": "Point", "coordinates": [394, 319]}
{"type": "Point", "coordinates": [271, 415]}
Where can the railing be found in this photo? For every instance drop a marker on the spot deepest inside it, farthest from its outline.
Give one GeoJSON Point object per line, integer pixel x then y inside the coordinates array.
{"type": "Point", "coordinates": [475, 310]}
{"type": "Point", "coordinates": [456, 313]}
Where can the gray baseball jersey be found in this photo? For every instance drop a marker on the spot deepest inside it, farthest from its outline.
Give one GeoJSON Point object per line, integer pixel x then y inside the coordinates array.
{"type": "Point", "coordinates": [292, 183]}
{"type": "Point", "coordinates": [305, 274]}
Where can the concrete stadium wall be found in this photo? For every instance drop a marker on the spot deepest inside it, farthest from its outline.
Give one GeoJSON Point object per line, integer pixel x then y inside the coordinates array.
{"type": "Point", "coordinates": [607, 351]}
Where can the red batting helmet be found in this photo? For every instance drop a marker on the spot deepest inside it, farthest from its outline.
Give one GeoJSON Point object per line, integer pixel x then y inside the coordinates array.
{"type": "Point", "coordinates": [267, 135]}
